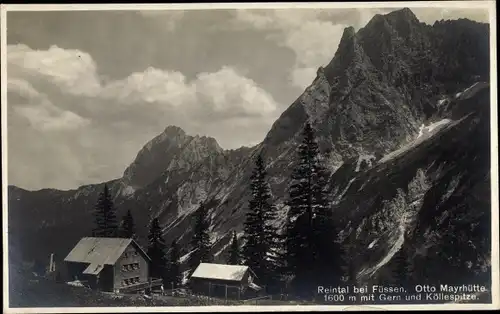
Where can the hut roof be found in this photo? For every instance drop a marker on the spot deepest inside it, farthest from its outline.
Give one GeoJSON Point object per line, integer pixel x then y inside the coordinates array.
{"type": "Point", "coordinates": [220, 271]}
{"type": "Point", "coordinates": [99, 252]}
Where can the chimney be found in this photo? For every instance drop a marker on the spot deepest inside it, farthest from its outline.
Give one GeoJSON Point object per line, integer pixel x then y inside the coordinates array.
{"type": "Point", "coordinates": [51, 265]}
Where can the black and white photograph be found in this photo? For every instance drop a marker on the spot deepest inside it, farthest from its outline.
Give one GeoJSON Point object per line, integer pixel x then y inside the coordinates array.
{"type": "Point", "coordinates": [249, 157]}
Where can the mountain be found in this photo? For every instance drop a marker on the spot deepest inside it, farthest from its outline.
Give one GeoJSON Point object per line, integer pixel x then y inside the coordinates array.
{"type": "Point", "coordinates": [401, 114]}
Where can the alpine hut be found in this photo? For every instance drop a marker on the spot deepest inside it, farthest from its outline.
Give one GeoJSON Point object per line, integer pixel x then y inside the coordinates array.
{"type": "Point", "coordinates": [224, 281]}
{"type": "Point", "coordinates": [111, 264]}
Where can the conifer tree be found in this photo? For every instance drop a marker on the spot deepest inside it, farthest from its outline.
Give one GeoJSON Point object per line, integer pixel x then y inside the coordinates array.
{"type": "Point", "coordinates": [200, 242]}
{"type": "Point", "coordinates": [260, 236]}
{"type": "Point", "coordinates": [174, 270]}
{"type": "Point", "coordinates": [105, 216]}
{"type": "Point", "coordinates": [156, 251]}
{"type": "Point", "coordinates": [234, 251]}
{"type": "Point", "coordinates": [310, 232]}
{"type": "Point", "coordinates": [128, 226]}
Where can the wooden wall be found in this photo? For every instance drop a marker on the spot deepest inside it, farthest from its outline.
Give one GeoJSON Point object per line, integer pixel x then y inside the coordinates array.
{"type": "Point", "coordinates": [132, 264]}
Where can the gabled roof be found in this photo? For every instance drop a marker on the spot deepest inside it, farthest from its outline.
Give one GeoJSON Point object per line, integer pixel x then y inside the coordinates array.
{"type": "Point", "coordinates": [220, 271]}
{"type": "Point", "coordinates": [99, 251]}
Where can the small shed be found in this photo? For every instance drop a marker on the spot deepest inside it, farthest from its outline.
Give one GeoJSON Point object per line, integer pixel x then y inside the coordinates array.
{"type": "Point", "coordinates": [110, 264]}
{"type": "Point", "coordinates": [224, 281]}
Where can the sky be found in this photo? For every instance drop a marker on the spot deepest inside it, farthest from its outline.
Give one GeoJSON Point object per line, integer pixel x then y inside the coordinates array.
{"type": "Point", "coordinates": [88, 89]}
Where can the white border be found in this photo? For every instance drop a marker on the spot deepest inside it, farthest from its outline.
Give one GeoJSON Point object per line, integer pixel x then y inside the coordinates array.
{"type": "Point", "coordinates": [486, 4]}
{"type": "Point", "coordinates": [490, 5]}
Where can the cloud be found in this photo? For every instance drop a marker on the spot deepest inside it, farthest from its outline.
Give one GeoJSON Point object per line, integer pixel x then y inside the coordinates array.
{"type": "Point", "coordinates": [167, 18]}
{"type": "Point", "coordinates": [226, 90]}
{"type": "Point", "coordinates": [42, 115]}
{"type": "Point", "coordinates": [98, 130]}
{"type": "Point", "coordinates": [71, 70]}
{"type": "Point", "coordinates": [431, 15]}
{"type": "Point", "coordinates": [308, 32]}
{"type": "Point", "coordinates": [22, 88]}
{"type": "Point", "coordinates": [49, 118]}
{"type": "Point", "coordinates": [150, 86]}
{"type": "Point", "coordinates": [303, 76]}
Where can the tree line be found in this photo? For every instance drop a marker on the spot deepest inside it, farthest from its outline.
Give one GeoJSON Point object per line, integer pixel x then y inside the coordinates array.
{"type": "Point", "coordinates": [301, 257]}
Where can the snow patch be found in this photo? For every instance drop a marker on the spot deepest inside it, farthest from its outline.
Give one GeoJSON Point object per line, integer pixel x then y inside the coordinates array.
{"type": "Point", "coordinates": [425, 133]}
{"type": "Point", "coordinates": [185, 257]}
{"type": "Point", "coordinates": [363, 185]}
{"type": "Point", "coordinates": [185, 277]}
{"type": "Point", "coordinates": [372, 243]}
{"type": "Point", "coordinates": [472, 90]}
{"type": "Point", "coordinates": [394, 249]}
{"type": "Point", "coordinates": [75, 283]}
{"type": "Point", "coordinates": [427, 130]}
{"type": "Point", "coordinates": [128, 190]}
{"type": "Point", "coordinates": [437, 124]}
{"type": "Point", "coordinates": [344, 191]}
{"type": "Point", "coordinates": [451, 188]}
{"type": "Point", "coordinates": [421, 130]}
{"type": "Point", "coordinates": [364, 158]}
{"type": "Point", "coordinates": [223, 248]}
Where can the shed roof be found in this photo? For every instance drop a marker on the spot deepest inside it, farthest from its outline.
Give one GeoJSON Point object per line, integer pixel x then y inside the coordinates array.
{"type": "Point", "coordinates": [220, 271]}
{"type": "Point", "coordinates": [99, 251]}
{"type": "Point", "coordinates": [93, 269]}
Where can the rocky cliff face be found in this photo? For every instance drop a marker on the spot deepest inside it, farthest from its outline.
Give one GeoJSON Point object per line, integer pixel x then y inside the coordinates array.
{"type": "Point", "coordinates": [402, 118]}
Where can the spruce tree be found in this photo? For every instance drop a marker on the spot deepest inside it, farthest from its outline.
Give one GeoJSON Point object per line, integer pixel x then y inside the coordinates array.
{"type": "Point", "coordinates": [105, 215]}
{"type": "Point", "coordinates": [200, 243]}
{"type": "Point", "coordinates": [310, 232]}
{"type": "Point", "coordinates": [234, 251]}
{"type": "Point", "coordinates": [128, 226]}
{"type": "Point", "coordinates": [174, 270]}
{"type": "Point", "coordinates": [156, 251]}
{"type": "Point", "coordinates": [260, 236]}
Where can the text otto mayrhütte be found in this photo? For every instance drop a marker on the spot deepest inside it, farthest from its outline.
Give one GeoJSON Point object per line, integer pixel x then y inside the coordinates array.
{"type": "Point", "coordinates": [394, 294]}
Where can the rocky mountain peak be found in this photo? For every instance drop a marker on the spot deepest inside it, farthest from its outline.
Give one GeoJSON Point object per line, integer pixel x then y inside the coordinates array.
{"type": "Point", "coordinates": [403, 15]}
{"type": "Point", "coordinates": [173, 130]}
{"type": "Point", "coordinates": [169, 150]}
{"type": "Point", "coordinates": [349, 53]}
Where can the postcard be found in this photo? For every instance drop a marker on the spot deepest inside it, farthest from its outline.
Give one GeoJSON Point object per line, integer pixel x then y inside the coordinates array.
{"type": "Point", "coordinates": [249, 157]}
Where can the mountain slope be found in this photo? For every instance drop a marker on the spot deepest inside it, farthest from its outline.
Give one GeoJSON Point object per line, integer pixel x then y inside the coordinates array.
{"type": "Point", "coordinates": [367, 107]}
